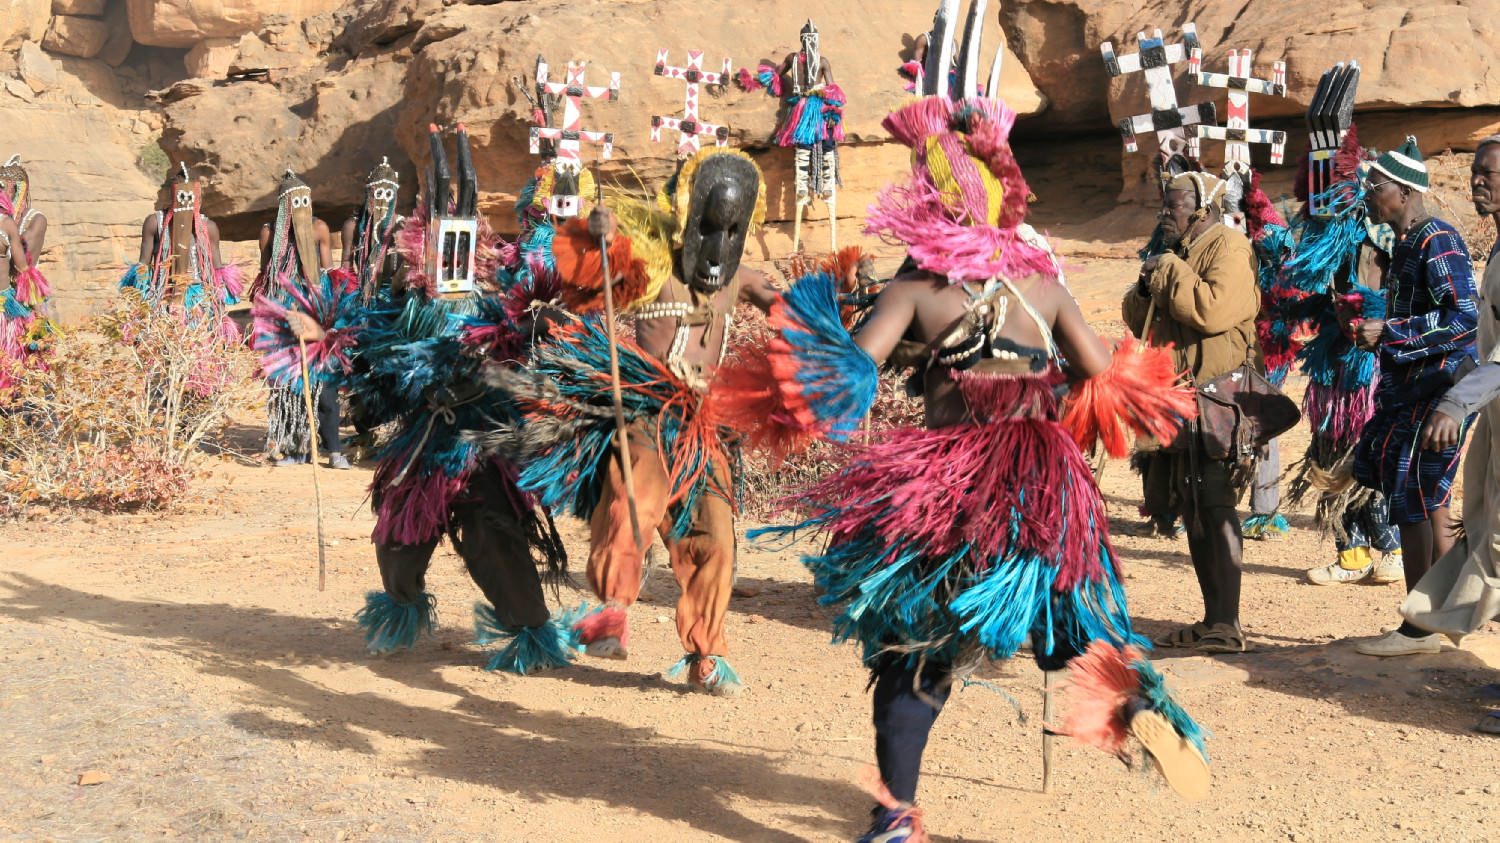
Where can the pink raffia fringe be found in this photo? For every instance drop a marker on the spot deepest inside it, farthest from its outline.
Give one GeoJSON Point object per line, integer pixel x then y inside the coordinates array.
{"type": "Point", "coordinates": [230, 278]}
{"type": "Point", "coordinates": [917, 215]}
{"type": "Point", "coordinates": [31, 287]}
{"type": "Point", "coordinates": [1338, 413]}
{"type": "Point", "coordinates": [1098, 685]}
{"type": "Point", "coordinates": [1011, 483]}
{"type": "Point", "coordinates": [282, 358]}
{"type": "Point", "coordinates": [416, 511]}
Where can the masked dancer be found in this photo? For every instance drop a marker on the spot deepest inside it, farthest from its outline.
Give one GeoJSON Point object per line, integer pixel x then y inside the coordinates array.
{"type": "Point", "coordinates": [416, 377]}
{"type": "Point", "coordinates": [813, 124]}
{"type": "Point", "coordinates": [678, 273]}
{"type": "Point", "coordinates": [954, 543]}
{"type": "Point", "coordinates": [295, 256]}
{"type": "Point", "coordinates": [180, 265]}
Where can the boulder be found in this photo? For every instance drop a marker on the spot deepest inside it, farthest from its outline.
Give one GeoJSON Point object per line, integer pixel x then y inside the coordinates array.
{"type": "Point", "coordinates": [379, 22]}
{"type": "Point", "coordinates": [117, 48]}
{"type": "Point", "coordinates": [35, 68]}
{"type": "Point", "coordinates": [84, 176]}
{"type": "Point", "coordinates": [23, 20]}
{"type": "Point", "coordinates": [211, 57]}
{"type": "Point", "coordinates": [467, 55]}
{"type": "Point", "coordinates": [86, 8]}
{"type": "Point", "coordinates": [183, 23]}
{"type": "Point", "coordinates": [242, 136]}
{"type": "Point", "coordinates": [74, 36]}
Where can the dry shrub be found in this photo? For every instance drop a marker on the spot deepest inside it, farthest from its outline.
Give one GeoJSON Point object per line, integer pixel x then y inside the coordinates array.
{"type": "Point", "coordinates": [115, 421]}
{"type": "Point", "coordinates": [762, 484]}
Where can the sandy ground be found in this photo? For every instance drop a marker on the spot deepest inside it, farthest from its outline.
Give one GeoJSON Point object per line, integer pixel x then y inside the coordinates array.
{"type": "Point", "coordinates": [190, 659]}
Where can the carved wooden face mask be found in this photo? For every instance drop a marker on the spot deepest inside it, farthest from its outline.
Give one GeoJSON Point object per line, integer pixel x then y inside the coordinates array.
{"type": "Point", "coordinates": [724, 194]}
{"type": "Point", "coordinates": [185, 198]}
{"type": "Point", "coordinates": [296, 203]}
{"type": "Point", "coordinates": [381, 189]}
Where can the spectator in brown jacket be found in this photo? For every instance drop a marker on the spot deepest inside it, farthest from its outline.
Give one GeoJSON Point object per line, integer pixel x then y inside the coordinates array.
{"type": "Point", "coordinates": [1205, 301]}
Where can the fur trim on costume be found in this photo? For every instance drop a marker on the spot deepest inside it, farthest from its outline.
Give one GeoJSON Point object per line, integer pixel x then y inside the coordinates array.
{"type": "Point", "coordinates": [390, 625]}
{"type": "Point", "coordinates": [607, 621]}
{"type": "Point", "coordinates": [530, 648]}
{"type": "Point", "coordinates": [1140, 391]}
{"type": "Point", "coordinates": [714, 683]}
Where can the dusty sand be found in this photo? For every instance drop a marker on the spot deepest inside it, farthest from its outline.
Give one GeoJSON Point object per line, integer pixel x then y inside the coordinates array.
{"type": "Point", "coordinates": [190, 658]}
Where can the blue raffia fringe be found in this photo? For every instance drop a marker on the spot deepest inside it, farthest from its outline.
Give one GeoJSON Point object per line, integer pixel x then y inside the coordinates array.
{"type": "Point", "coordinates": [835, 376]}
{"type": "Point", "coordinates": [722, 673]}
{"type": "Point", "coordinates": [390, 625]}
{"type": "Point", "coordinates": [530, 648]}
{"type": "Point", "coordinates": [1258, 525]}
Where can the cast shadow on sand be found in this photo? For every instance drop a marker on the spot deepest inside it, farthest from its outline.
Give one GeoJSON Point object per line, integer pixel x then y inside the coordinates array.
{"type": "Point", "coordinates": [490, 742]}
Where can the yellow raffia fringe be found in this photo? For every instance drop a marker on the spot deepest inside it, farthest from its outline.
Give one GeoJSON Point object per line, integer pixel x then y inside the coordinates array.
{"type": "Point", "coordinates": [548, 175]}
{"type": "Point", "coordinates": [650, 230]}
{"type": "Point", "coordinates": [946, 183]}
{"type": "Point", "coordinates": [677, 204]}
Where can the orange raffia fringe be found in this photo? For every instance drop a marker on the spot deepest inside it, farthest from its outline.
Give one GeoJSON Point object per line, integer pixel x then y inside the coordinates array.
{"type": "Point", "coordinates": [1141, 391]}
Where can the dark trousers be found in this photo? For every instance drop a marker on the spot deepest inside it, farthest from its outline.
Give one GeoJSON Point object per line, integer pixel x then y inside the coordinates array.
{"type": "Point", "coordinates": [1216, 545]}
{"type": "Point", "coordinates": [903, 719]}
{"type": "Point", "coordinates": [492, 539]}
{"type": "Point", "coordinates": [328, 421]}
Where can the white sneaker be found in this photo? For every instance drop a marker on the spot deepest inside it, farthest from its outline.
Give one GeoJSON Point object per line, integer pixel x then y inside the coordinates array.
{"type": "Point", "coordinates": [1390, 569]}
{"type": "Point", "coordinates": [1394, 643]}
{"type": "Point", "coordinates": [1337, 573]}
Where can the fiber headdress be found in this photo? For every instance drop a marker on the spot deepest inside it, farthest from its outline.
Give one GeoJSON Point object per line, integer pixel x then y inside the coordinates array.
{"type": "Point", "coordinates": [1404, 165]}
{"type": "Point", "coordinates": [959, 213]}
{"type": "Point", "coordinates": [17, 187]}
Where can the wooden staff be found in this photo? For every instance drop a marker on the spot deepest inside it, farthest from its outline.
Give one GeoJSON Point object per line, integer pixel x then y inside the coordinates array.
{"type": "Point", "coordinates": [622, 433]}
{"type": "Point", "coordinates": [1050, 677]}
{"type": "Point", "coordinates": [312, 442]}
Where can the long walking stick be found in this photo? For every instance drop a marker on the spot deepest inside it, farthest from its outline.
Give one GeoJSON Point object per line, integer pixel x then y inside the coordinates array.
{"type": "Point", "coordinates": [312, 442]}
{"type": "Point", "coordinates": [622, 434]}
{"type": "Point", "coordinates": [1049, 738]}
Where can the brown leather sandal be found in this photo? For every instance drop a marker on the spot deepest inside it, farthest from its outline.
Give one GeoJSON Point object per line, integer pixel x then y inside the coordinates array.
{"type": "Point", "coordinates": [1223, 638]}
{"type": "Point", "coordinates": [1187, 636]}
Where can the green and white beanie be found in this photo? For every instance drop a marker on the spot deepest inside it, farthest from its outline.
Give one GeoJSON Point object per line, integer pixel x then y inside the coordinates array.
{"type": "Point", "coordinates": [1404, 165]}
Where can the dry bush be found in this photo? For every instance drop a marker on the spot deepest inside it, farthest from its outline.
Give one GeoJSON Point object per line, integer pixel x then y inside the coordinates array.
{"type": "Point", "coordinates": [762, 485]}
{"type": "Point", "coordinates": [115, 420]}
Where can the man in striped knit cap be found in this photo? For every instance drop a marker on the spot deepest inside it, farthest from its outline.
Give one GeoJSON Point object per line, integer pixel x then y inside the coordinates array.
{"type": "Point", "coordinates": [1425, 343]}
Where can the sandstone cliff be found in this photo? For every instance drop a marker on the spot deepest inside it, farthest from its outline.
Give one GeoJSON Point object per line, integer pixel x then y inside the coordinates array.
{"type": "Point", "coordinates": [243, 90]}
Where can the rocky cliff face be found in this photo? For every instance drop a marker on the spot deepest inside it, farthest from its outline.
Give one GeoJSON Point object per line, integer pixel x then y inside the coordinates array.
{"type": "Point", "coordinates": [244, 90]}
